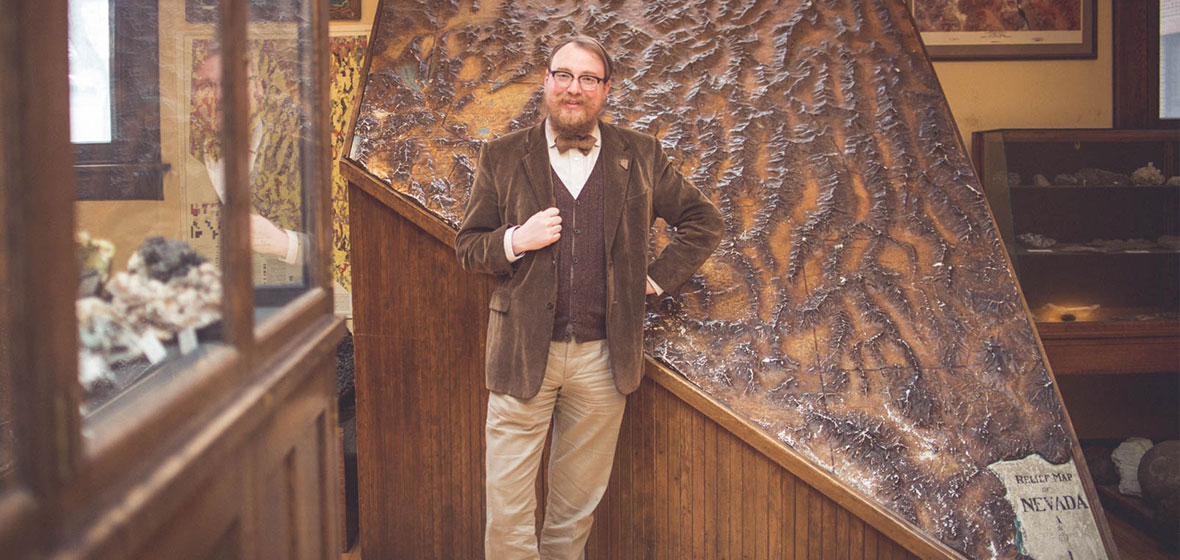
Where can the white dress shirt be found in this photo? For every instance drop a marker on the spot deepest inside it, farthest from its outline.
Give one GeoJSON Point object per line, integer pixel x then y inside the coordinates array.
{"type": "Point", "coordinates": [573, 168]}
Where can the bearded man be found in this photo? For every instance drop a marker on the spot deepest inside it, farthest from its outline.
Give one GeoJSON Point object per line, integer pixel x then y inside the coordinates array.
{"type": "Point", "coordinates": [561, 215]}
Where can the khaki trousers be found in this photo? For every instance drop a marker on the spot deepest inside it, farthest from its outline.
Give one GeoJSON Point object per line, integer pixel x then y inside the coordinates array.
{"type": "Point", "coordinates": [579, 394]}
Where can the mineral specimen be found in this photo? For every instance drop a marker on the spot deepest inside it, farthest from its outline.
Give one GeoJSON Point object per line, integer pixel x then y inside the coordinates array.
{"type": "Point", "coordinates": [1173, 181]}
{"type": "Point", "coordinates": [94, 264]}
{"type": "Point", "coordinates": [1126, 459]}
{"type": "Point", "coordinates": [1065, 179]}
{"type": "Point", "coordinates": [1051, 312]}
{"type": "Point", "coordinates": [1013, 179]}
{"type": "Point", "coordinates": [1040, 181]}
{"type": "Point", "coordinates": [1102, 469]}
{"type": "Point", "coordinates": [1168, 242]}
{"type": "Point", "coordinates": [1119, 245]}
{"type": "Point", "coordinates": [163, 260]}
{"type": "Point", "coordinates": [1147, 175]}
{"type": "Point", "coordinates": [105, 340]}
{"type": "Point", "coordinates": [1092, 177]}
{"type": "Point", "coordinates": [1037, 240]}
{"type": "Point", "coordinates": [167, 288]}
{"type": "Point", "coordinates": [1159, 471]}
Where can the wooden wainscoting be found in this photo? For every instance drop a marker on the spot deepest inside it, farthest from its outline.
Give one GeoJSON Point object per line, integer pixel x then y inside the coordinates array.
{"type": "Point", "coordinates": [684, 486]}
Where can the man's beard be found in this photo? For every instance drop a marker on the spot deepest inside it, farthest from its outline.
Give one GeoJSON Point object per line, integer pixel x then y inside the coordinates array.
{"type": "Point", "coordinates": [578, 121]}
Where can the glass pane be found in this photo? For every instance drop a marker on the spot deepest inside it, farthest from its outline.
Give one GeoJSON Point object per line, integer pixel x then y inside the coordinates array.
{"type": "Point", "coordinates": [1169, 59]}
{"type": "Point", "coordinates": [282, 140]}
{"type": "Point", "coordinates": [90, 71]}
{"type": "Point", "coordinates": [149, 295]}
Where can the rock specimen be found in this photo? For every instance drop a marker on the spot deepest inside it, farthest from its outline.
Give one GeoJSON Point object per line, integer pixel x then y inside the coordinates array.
{"type": "Point", "coordinates": [1102, 469]}
{"type": "Point", "coordinates": [1173, 181]}
{"type": "Point", "coordinates": [860, 307]}
{"type": "Point", "coordinates": [105, 341]}
{"type": "Point", "coordinates": [1169, 242]}
{"type": "Point", "coordinates": [1013, 179]}
{"type": "Point", "coordinates": [1126, 459]}
{"type": "Point", "coordinates": [94, 264]}
{"type": "Point", "coordinates": [1065, 179]}
{"type": "Point", "coordinates": [1118, 245]}
{"type": "Point", "coordinates": [1092, 177]}
{"type": "Point", "coordinates": [167, 288]}
{"type": "Point", "coordinates": [1147, 175]}
{"type": "Point", "coordinates": [1159, 476]}
{"type": "Point", "coordinates": [1040, 181]}
{"type": "Point", "coordinates": [1159, 470]}
{"type": "Point", "coordinates": [1037, 240]}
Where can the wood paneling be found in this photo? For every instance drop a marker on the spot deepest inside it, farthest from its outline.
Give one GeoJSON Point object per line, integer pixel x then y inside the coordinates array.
{"type": "Point", "coordinates": [694, 468]}
{"type": "Point", "coordinates": [683, 485]}
{"type": "Point", "coordinates": [420, 389]}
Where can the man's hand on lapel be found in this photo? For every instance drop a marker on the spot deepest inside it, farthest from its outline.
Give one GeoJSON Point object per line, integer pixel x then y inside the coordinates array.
{"type": "Point", "coordinates": [540, 230]}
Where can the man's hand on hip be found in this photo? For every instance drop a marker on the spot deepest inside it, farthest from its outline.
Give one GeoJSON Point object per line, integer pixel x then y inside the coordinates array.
{"type": "Point", "coordinates": [541, 229]}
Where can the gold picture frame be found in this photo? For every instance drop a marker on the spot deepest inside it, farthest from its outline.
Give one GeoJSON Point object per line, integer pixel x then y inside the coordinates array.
{"type": "Point", "coordinates": [1007, 30]}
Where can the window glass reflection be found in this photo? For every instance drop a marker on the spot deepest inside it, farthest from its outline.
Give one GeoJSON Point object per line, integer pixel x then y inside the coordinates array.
{"type": "Point", "coordinates": [280, 140]}
{"type": "Point", "coordinates": [149, 293]}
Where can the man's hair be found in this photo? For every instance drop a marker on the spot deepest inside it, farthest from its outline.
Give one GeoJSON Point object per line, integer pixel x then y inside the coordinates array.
{"type": "Point", "coordinates": [590, 44]}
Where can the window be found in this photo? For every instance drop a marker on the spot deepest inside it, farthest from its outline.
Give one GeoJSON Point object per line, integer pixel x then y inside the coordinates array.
{"type": "Point", "coordinates": [115, 99]}
{"type": "Point", "coordinates": [1169, 60]}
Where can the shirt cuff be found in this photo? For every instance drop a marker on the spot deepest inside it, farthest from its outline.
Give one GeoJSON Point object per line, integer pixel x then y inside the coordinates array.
{"type": "Point", "coordinates": [512, 257]}
{"type": "Point", "coordinates": [659, 291]}
{"type": "Point", "coordinates": [292, 247]}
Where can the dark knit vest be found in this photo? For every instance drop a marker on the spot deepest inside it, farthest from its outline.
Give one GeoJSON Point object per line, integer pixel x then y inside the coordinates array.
{"type": "Point", "coordinates": [581, 261]}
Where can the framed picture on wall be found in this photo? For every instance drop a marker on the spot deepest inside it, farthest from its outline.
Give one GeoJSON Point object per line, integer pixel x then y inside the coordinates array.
{"type": "Point", "coordinates": [344, 9]}
{"type": "Point", "coordinates": [206, 11]}
{"type": "Point", "coordinates": [1002, 29]}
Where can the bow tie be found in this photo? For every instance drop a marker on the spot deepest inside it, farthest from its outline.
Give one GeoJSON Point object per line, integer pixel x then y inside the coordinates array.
{"type": "Point", "coordinates": [583, 143]}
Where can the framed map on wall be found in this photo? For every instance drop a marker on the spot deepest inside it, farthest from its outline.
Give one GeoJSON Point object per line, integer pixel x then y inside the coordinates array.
{"type": "Point", "coordinates": [999, 29]}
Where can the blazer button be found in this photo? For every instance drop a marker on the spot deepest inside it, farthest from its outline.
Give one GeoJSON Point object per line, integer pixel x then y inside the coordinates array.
{"type": "Point", "coordinates": [549, 305]}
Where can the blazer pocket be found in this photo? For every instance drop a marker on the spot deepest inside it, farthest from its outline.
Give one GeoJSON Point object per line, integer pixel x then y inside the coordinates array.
{"type": "Point", "coordinates": [500, 301]}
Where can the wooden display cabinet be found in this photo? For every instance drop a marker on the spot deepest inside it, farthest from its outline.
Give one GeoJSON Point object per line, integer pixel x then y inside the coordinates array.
{"type": "Point", "coordinates": [1106, 293]}
{"type": "Point", "coordinates": [225, 450]}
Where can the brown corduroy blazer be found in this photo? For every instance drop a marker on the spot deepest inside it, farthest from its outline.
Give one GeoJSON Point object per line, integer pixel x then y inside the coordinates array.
{"type": "Point", "coordinates": [513, 182]}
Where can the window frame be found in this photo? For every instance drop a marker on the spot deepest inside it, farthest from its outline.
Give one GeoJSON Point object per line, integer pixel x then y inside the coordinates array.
{"type": "Point", "coordinates": [1136, 65]}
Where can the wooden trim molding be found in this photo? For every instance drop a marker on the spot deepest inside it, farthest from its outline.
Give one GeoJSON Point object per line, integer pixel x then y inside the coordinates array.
{"type": "Point", "coordinates": [405, 206]}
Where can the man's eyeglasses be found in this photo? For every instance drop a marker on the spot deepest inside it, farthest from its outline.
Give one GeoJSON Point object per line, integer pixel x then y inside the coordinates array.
{"type": "Point", "coordinates": [564, 79]}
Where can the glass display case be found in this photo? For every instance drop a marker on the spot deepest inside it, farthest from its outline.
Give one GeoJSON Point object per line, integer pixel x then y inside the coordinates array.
{"type": "Point", "coordinates": [1091, 221]}
{"type": "Point", "coordinates": [148, 345]}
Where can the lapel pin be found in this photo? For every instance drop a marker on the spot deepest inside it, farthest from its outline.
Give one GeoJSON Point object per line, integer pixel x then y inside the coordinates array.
{"type": "Point", "coordinates": [625, 163]}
